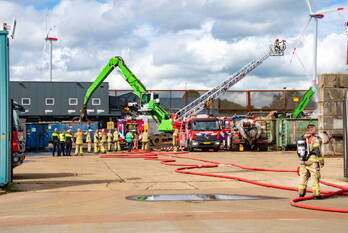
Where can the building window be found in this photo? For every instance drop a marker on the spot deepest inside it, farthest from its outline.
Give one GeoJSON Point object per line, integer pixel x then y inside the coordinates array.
{"type": "Point", "coordinates": [49, 101]}
{"type": "Point", "coordinates": [25, 101]}
{"type": "Point", "coordinates": [73, 101]}
{"type": "Point", "coordinates": [96, 101]}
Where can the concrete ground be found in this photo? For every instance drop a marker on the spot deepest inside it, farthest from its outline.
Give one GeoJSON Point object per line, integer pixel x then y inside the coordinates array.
{"type": "Point", "coordinates": [88, 194]}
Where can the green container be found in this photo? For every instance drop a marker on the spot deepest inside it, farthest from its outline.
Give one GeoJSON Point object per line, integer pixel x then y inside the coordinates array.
{"type": "Point", "coordinates": [289, 130]}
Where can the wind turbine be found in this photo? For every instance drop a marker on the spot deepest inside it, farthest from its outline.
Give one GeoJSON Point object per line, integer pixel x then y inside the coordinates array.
{"type": "Point", "coordinates": [50, 40]}
{"type": "Point", "coordinates": [315, 16]}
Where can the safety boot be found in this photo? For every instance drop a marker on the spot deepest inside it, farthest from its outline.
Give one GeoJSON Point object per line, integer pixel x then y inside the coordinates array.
{"type": "Point", "coordinates": [302, 193]}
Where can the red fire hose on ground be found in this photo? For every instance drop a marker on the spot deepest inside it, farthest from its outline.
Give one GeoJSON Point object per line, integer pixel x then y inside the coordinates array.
{"type": "Point", "coordinates": [211, 164]}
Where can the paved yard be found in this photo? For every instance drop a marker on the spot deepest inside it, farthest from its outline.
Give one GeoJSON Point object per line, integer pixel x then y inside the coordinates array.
{"type": "Point", "coordinates": [88, 194]}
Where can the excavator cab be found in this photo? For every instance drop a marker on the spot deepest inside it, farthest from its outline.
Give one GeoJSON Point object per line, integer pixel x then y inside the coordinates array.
{"type": "Point", "coordinates": [147, 101]}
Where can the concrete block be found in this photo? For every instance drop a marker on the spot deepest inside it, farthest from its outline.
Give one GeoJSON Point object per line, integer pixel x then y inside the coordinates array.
{"type": "Point", "coordinates": [328, 80]}
{"type": "Point", "coordinates": [333, 81]}
{"type": "Point", "coordinates": [330, 122]}
{"type": "Point", "coordinates": [331, 108]}
{"type": "Point", "coordinates": [343, 80]}
{"type": "Point", "coordinates": [331, 94]}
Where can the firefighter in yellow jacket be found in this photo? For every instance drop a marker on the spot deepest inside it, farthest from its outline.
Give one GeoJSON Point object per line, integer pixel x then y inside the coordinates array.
{"type": "Point", "coordinates": [96, 141]}
{"type": "Point", "coordinates": [175, 140]}
{"type": "Point", "coordinates": [79, 142]}
{"type": "Point", "coordinates": [103, 139]}
{"type": "Point", "coordinates": [89, 140]}
{"type": "Point", "coordinates": [109, 140]}
{"type": "Point", "coordinates": [145, 140]}
{"type": "Point", "coordinates": [311, 160]}
{"type": "Point", "coordinates": [117, 141]}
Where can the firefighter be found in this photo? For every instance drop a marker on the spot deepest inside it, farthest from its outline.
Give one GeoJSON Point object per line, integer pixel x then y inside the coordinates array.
{"type": "Point", "coordinates": [68, 142]}
{"type": "Point", "coordinates": [311, 161]}
{"type": "Point", "coordinates": [109, 140]}
{"type": "Point", "coordinates": [277, 46]}
{"type": "Point", "coordinates": [135, 140]}
{"type": "Point", "coordinates": [129, 140]}
{"type": "Point", "coordinates": [102, 139]}
{"type": "Point", "coordinates": [96, 141]}
{"type": "Point", "coordinates": [79, 142]}
{"type": "Point", "coordinates": [61, 148]}
{"type": "Point", "coordinates": [145, 140]}
{"type": "Point", "coordinates": [175, 140]}
{"type": "Point", "coordinates": [55, 141]}
{"type": "Point", "coordinates": [117, 141]}
{"type": "Point", "coordinates": [89, 140]}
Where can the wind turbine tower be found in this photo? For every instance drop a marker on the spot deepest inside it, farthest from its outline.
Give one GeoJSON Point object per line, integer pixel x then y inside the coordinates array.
{"type": "Point", "coordinates": [316, 16]}
{"type": "Point", "coordinates": [50, 40]}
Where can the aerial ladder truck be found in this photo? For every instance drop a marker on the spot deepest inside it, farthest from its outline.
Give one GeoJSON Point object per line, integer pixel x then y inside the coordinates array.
{"type": "Point", "coordinates": [187, 137]}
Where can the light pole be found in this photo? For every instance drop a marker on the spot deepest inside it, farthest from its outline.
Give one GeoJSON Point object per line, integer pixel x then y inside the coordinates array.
{"type": "Point", "coordinates": [51, 39]}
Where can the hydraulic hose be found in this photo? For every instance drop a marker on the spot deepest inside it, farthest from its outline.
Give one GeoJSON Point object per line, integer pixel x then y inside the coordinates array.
{"type": "Point", "coordinates": [147, 155]}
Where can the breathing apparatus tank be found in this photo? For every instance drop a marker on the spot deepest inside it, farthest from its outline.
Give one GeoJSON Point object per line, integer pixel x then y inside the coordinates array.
{"type": "Point", "coordinates": [303, 149]}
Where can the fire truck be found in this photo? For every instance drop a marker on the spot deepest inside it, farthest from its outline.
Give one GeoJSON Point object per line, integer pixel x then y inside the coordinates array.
{"type": "Point", "coordinates": [201, 132]}
{"type": "Point", "coordinates": [18, 142]}
{"type": "Point", "coordinates": [246, 133]}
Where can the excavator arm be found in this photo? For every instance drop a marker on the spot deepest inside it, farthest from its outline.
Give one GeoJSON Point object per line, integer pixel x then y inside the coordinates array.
{"type": "Point", "coordinates": [303, 103]}
{"type": "Point", "coordinates": [139, 89]}
{"type": "Point", "coordinates": [113, 63]}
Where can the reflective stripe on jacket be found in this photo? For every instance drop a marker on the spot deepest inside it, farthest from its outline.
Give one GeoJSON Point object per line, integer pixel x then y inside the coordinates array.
{"type": "Point", "coordinates": [62, 137]}
{"type": "Point", "coordinates": [68, 137]}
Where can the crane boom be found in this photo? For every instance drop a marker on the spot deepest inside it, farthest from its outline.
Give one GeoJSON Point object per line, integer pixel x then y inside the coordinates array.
{"type": "Point", "coordinates": [306, 98]}
{"type": "Point", "coordinates": [127, 74]}
{"type": "Point", "coordinates": [198, 104]}
{"type": "Point", "coordinates": [146, 98]}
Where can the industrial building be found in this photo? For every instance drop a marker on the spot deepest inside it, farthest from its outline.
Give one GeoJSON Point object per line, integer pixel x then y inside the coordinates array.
{"type": "Point", "coordinates": [62, 101]}
{"type": "Point", "coordinates": [57, 101]}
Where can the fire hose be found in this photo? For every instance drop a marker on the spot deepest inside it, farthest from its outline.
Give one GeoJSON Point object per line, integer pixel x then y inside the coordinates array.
{"type": "Point", "coordinates": [212, 164]}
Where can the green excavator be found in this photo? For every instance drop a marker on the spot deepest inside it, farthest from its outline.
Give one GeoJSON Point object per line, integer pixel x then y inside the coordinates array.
{"type": "Point", "coordinates": [149, 101]}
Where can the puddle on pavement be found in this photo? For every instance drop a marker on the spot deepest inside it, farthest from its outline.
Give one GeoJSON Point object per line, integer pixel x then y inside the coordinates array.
{"type": "Point", "coordinates": [195, 197]}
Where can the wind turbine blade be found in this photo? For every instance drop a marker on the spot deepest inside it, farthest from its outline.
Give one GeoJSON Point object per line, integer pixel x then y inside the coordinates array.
{"type": "Point", "coordinates": [299, 37]}
{"type": "Point", "coordinates": [329, 10]}
{"type": "Point", "coordinates": [309, 6]}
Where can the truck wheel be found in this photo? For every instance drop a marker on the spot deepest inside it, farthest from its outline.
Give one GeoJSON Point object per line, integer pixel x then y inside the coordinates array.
{"type": "Point", "coordinates": [216, 149]}
{"type": "Point", "coordinates": [263, 147]}
{"type": "Point", "coordinates": [156, 141]}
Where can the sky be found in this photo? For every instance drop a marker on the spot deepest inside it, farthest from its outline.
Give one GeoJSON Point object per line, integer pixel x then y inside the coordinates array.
{"type": "Point", "coordinates": [174, 44]}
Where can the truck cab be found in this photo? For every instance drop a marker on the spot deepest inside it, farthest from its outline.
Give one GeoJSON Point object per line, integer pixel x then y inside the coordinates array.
{"type": "Point", "coordinates": [201, 132]}
{"type": "Point", "coordinates": [18, 141]}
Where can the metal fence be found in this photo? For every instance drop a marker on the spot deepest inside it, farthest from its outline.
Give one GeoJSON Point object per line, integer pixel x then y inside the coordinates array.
{"type": "Point", "coordinates": [231, 102]}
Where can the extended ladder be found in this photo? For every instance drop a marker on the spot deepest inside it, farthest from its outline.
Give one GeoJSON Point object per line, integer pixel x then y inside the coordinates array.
{"type": "Point", "coordinates": [198, 104]}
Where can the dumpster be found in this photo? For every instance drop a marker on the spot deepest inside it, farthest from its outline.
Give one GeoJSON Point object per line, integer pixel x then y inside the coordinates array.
{"type": "Point", "coordinates": [289, 130]}
{"type": "Point", "coordinates": [36, 137]}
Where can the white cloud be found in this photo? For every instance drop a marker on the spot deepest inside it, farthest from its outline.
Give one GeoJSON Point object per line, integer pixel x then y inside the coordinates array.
{"type": "Point", "coordinates": [170, 43]}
